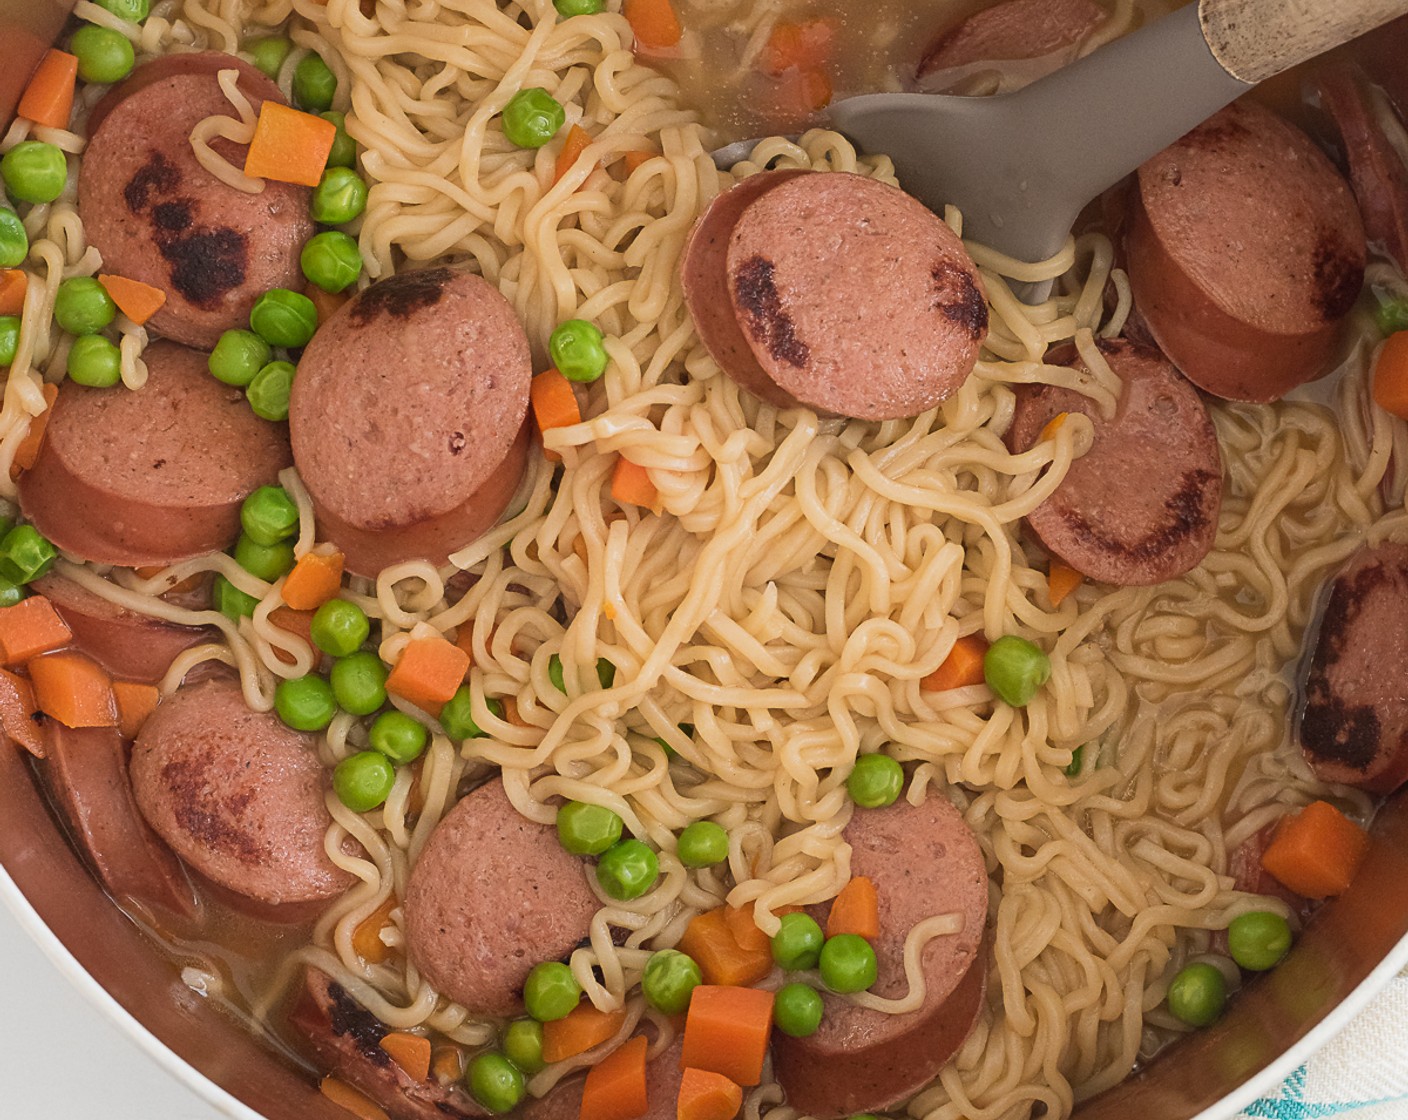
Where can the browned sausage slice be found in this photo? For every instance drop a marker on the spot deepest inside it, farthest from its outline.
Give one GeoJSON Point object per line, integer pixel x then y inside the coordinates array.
{"type": "Point", "coordinates": [159, 217]}
{"type": "Point", "coordinates": [1246, 251]}
{"type": "Point", "coordinates": [1376, 172]}
{"type": "Point", "coordinates": [855, 299]}
{"type": "Point", "coordinates": [127, 644]}
{"type": "Point", "coordinates": [1354, 721]}
{"type": "Point", "coordinates": [1014, 30]}
{"type": "Point", "coordinates": [1141, 505]}
{"type": "Point", "coordinates": [924, 861]}
{"type": "Point", "coordinates": [704, 276]}
{"type": "Point", "coordinates": [87, 770]}
{"type": "Point", "coordinates": [407, 416]}
{"type": "Point", "coordinates": [345, 1039]}
{"type": "Point", "coordinates": [663, 1074]}
{"type": "Point", "coordinates": [151, 476]}
{"type": "Point", "coordinates": [238, 795]}
{"type": "Point", "coordinates": [492, 895]}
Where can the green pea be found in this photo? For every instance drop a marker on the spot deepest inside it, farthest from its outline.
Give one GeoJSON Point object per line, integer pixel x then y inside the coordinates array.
{"type": "Point", "coordinates": [1391, 314]}
{"type": "Point", "coordinates": [268, 394]}
{"type": "Point", "coordinates": [94, 361]}
{"type": "Point", "coordinates": [523, 1045]}
{"type": "Point", "coordinates": [669, 980]}
{"type": "Point", "coordinates": [340, 628]}
{"type": "Point", "coordinates": [359, 682]}
{"type": "Point", "coordinates": [83, 306]}
{"type": "Point", "coordinates": [1073, 767]}
{"type": "Point", "coordinates": [1258, 940]}
{"type": "Point", "coordinates": [1198, 994]}
{"type": "Point", "coordinates": [269, 515]}
{"type": "Point", "coordinates": [532, 118]}
{"type": "Point", "coordinates": [796, 1010]}
{"type": "Point", "coordinates": [9, 338]}
{"type": "Point", "coordinates": [797, 943]}
{"type": "Point", "coordinates": [363, 781]}
{"type": "Point", "coordinates": [702, 844]}
{"type": "Point", "coordinates": [875, 781]}
{"type": "Point", "coordinates": [457, 716]}
{"type": "Point", "coordinates": [555, 673]}
{"type": "Point", "coordinates": [1015, 669]}
{"type": "Point", "coordinates": [587, 830]}
{"type": "Point", "coordinates": [34, 171]}
{"type": "Point", "coordinates": [269, 53]}
{"type": "Point", "coordinates": [398, 737]}
{"type": "Point", "coordinates": [104, 55]}
{"type": "Point", "coordinates": [11, 593]}
{"type": "Point", "coordinates": [237, 357]}
{"type": "Point", "coordinates": [314, 84]}
{"type": "Point", "coordinates": [265, 561]}
{"type": "Point", "coordinates": [568, 8]}
{"type": "Point", "coordinates": [627, 870]}
{"type": "Point", "coordinates": [577, 350]}
{"type": "Point", "coordinates": [14, 240]}
{"type": "Point", "coordinates": [331, 260]}
{"type": "Point", "coordinates": [284, 318]}
{"type": "Point", "coordinates": [133, 11]}
{"type": "Point", "coordinates": [551, 991]}
{"type": "Point", "coordinates": [344, 148]}
{"type": "Point", "coordinates": [340, 196]}
{"type": "Point", "coordinates": [25, 554]}
{"type": "Point", "coordinates": [230, 601]}
{"type": "Point", "coordinates": [305, 703]}
{"type": "Point", "coordinates": [495, 1082]}
{"type": "Point", "coordinates": [605, 672]}
{"type": "Point", "coordinates": [847, 963]}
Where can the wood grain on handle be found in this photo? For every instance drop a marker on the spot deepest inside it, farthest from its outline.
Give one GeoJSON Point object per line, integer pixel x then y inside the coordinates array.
{"type": "Point", "coordinates": [1256, 39]}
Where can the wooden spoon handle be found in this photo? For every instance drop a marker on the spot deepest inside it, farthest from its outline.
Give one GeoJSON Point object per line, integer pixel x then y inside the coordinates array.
{"type": "Point", "coordinates": [1256, 39]}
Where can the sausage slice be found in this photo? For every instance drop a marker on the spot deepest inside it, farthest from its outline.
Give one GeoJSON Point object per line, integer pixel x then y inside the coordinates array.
{"type": "Point", "coordinates": [1014, 30]}
{"type": "Point", "coordinates": [127, 644]}
{"type": "Point", "coordinates": [238, 796]}
{"type": "Point", "coordinates": [924, 861]}
{"type": "Point", "coordinates": [151, 476]}
{"type": "Point", "coordinates": [1246, 251]}
{"type": "Point", "coordinates": [1141, 505]}
{"type": "Point", "coordinates": [1354, 720]}
{"type": "Point", "coordinates": [86, 769]}
{"type": "Point", "coordinates": [408, 417]}
{"type": "Point", "coordinates": [492, 895]}
{"type": "Point", "coordinates": [158, 216]}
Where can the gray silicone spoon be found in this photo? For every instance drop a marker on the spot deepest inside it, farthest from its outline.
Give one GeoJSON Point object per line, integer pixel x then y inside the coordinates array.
{"type": "Point", "coordinates": [1021, 166]}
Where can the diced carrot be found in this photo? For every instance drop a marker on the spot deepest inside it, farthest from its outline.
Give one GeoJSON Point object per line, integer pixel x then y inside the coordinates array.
{"type": "Point", "coordinates": [654, 22]}
{"type": "Point", "coordinates": [138, 301]}
{"type": "Point", "coordinates": [1317, 851]}
{"type": "Point", "coordinates": [797, 94]}
{"type": "Point", "coordinates": [705, 1095]}
{"type": "Point", "coordinates": [289, 146]}
{"type": "Point", "coordinates": [13, 285]}
{"type": "Point", "coordinates": [726, 1031]}
{"type": "Point", "coordinates": [448, 1064]}
{"type": "Point", "coordinates": [343, 1095]}
{"type": "Point", "coordinates": [636, 160]}
{"type": "Point", "coordinates": [1061, 580]}
{"type": "Point", "coordinates": [464, 638]}
{"type": "Point", "coordinates": [746, 934]}
{"type": "Point", "coordinates": [1391, 376]}
{"type": "Point", "coordinates": [554, 405]}
{"type": "Point", "coordinates": [316, 578]}
{"type": "Point", "coordinates": [615, 1088]}
{"type": "Point", "coordinates": [17, 711]}
{"type": "Point", "coordinates": [855, 910]}
{"type": "Point", "coordinates": [511, 712]}
{"type": "Point", "coordinates": [798, 46]}
{"type": "Point", "coordinates": [710, 941]}
{"type": "Point", "coordinates": [1053, 426]}
{"type": "Point", "coordinates": [135, 702]}
{"type": "Point", "coordinates": [48, 99]}
{"type": "Point", "coordinates": [325, 303]}
{"type": "Point", "coordinates": [299, 623]}
{"type": "Point", "coordinates": [963, 665]}
{"type": "Point", "coordinates": [73, 689]}
{"type": "Point", "coordinates": [429, 673]}
{"type": "Point", "coordinates": [577, 142]}
{"type": "Point", "coordinates": [366, 938]}
{"type": "Point", "coordinates": [631, 485]}
{"type": "Point", "coordinates": [581, 1029]}
{"type": "Point", "coordinates": [28, 450]}
{"type": "Point", "coordinates": [409, 1051]}
{"type": "Point", "coordinates": [29, 628]}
